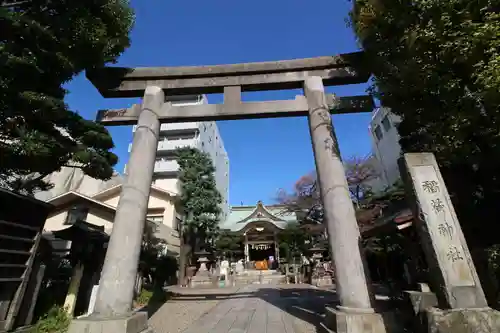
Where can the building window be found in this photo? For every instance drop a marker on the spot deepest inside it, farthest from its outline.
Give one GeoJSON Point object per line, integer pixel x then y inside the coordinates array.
{"type": "Point", "coordinates": [77, 213]}
{"type": "Point", "coordinates": [378, 133]}
{"type": "Point", "coordinates": [156, 218]}
{"type": "Point", "coordinates": [386, 123]}
{"type": "Point", "coordinates": [210, 139]}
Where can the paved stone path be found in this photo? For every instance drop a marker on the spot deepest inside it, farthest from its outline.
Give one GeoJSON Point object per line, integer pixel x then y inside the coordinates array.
{"type": "Point", "coordinates": [250, 309]}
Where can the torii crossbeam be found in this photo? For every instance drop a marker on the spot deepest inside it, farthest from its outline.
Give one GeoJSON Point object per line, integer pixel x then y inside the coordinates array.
{"type": "Point", "coordinates": [234, 110]}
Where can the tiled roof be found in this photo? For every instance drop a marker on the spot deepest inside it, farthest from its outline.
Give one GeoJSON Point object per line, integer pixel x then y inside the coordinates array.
{"type": "Point", "coordinates": [240, 216]}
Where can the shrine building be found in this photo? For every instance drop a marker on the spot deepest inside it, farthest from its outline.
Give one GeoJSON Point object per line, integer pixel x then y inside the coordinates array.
{"type": "Point", "coordinates": [259, 226]}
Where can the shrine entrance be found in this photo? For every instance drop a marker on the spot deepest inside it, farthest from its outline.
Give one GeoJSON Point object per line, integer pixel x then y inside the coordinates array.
{"type": "Point", "coordinates": [261, 245]}
{"type": "Point", "coordinates": [258, 252]}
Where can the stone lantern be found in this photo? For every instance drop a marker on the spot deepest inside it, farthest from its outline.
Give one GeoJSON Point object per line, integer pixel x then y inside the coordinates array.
{"type": "Point", "coordinates": [203, 260]}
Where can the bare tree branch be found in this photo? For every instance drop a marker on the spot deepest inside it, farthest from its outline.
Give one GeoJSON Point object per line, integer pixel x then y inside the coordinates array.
{"type": "Point", "coordinates": [304, 200]}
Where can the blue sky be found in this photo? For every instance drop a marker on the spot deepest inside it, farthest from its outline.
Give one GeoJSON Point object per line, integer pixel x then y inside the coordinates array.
{"type": "Point", "coordinates": [265, 154]}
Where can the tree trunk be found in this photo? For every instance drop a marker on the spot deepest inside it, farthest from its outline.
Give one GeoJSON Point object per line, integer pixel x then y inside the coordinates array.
{"type": "Point", "coordinates": [185, 250]}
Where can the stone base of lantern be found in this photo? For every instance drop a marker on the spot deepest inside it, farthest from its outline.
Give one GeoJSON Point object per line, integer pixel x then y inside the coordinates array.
{"type": "Point", "coordinates": [345, 320]}
{"type": "Point", "coordinates": [324, 281]}
{"type": "Point", "coordinates": [133, 323]}
{"type": "Point", "coordinates": [203, 276]}
{"type": "Point", "coordinates": [202, 281]}
{"type": "Point", "coordinates": [482, 320]}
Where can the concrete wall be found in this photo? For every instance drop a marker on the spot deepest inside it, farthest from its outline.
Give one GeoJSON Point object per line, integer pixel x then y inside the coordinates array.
{"type": "Point", "coordinates": [158, 204]}
{"type": "Point", "coordinates": [55, 221]}
{"type": "Point", "coordinates": [96, 216]}
{"type": "Point", "coordinates": [73, 179]}
{"type": "Point", "coordinates": [385, 145]}
{"type": "Point", "coordinates": [168, 184]}
{"type": "Point", "coordinates": [211, 142]}
{"type": "Point", "coordinates": [102, 216]}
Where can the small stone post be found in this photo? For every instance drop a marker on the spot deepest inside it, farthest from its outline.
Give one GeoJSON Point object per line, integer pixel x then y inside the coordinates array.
{"type": "Point", "coordinates": [74, 287]}
{"type": "Point", "coordinates": [116, 287]}
{"type": "Point", "coordinates": [355, 313]}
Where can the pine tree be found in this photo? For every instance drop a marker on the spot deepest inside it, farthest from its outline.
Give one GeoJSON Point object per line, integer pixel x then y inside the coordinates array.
{"type": "Point", "coordinates": [200, 201]}
{"type": "Point", "coordinates": [43, 45]}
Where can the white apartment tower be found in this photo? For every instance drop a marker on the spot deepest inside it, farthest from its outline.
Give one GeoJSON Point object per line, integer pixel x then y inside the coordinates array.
{"type": "Point", "coordinates": [202, 135]}
{"type": "Point", "coordinates": [385, 145]}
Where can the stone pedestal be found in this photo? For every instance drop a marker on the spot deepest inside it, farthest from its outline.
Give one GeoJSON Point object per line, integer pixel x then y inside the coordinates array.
{"type": "Point", "coordinates": [344, 320]}
{"type": "Point", "coordinates": [483, 320]}
{"type": "Point", "coordinates": [133, 323]}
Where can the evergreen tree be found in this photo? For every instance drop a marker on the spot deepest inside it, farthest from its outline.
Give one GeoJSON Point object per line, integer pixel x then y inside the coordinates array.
{"type": "Point", "coordinates": [200, 201]}
{"type": "Point", "coordinates": [229, 244]}
{"type": "Point", "coordinates": [437, 65]}
{"type": "Point", "coordinates": [43, 45]}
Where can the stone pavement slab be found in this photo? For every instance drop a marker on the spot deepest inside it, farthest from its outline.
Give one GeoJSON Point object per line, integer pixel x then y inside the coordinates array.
{"type": "Point", "coordinates": [176, 315]}
{"type": "Point", "coordinates": [259, 309]}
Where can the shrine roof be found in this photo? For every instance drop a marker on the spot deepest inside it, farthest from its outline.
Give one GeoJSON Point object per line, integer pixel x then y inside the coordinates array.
{"type": "Point", "coordinates": [240, 216]}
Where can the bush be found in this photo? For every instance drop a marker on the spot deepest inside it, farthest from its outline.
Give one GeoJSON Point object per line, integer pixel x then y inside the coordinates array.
{"type": "Point", "coordinates": [144, 297]}
{"type": "Point", "coordinates": [56, 320]}
{"type": "Point", "coordinates": [154, 297]}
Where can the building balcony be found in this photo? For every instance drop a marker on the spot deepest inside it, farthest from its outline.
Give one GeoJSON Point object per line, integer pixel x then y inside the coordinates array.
{"type": "Point", "coordinates": [175, 127]}
{"type": "Point", "coordinates": [166, 167]}
{"type": "Point", "coordinates": [179, 127]}
{"type": "Point", "coordinates": [166, 146]}
{"type": "Point", "coordinates": [170, 145]}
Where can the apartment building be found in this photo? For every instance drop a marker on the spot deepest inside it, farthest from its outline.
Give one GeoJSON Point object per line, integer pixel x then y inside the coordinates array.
{"type": "Point", "coordinates": [202, 135]}
{"type": "Point", "coordinates": [385, 145]}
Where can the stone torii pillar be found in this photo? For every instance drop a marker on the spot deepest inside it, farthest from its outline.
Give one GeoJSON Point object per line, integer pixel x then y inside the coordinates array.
{"type": "Point", "coordinates": [355, 313]}
{"type": "Point", "coordinates": [112, 310]}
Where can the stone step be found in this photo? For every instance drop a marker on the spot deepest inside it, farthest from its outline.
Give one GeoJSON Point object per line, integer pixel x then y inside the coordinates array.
{"type": "Point", "coordinates": [254, 272]}
{"type": "Point", "coordinates": [256, 279]}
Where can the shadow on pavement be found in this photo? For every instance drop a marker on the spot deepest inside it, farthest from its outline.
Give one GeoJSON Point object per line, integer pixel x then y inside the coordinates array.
{"type": "Point", "coordinates": [156, 301]}
{"type": "Point", "coordinates": [304, 302]}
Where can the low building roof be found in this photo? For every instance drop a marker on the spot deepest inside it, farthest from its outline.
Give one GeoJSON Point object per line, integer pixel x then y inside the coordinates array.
{"type": "Point", "coordinates": [161, 231]}
{"type": "Point", "coordinates": [241, 217]}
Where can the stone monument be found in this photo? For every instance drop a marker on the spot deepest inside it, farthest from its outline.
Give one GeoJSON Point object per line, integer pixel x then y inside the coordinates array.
{"type": "Point", "coordinates": [461, 299]}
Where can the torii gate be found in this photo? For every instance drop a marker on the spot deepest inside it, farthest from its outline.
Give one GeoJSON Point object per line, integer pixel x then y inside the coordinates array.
{"type": "Point", "coordinates": [115, 293]}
